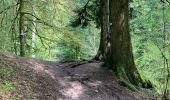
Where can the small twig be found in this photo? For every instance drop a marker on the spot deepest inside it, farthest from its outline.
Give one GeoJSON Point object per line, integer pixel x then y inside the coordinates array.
{"type": "Point", "coordinates": [168, 1]}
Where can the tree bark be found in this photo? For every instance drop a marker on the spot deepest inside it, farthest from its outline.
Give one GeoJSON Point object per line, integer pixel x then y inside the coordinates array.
{"type": "Point", "coordinates": [33, 30]}
{"type": "Point", "coordinates": [21, 28]}
{"type": "Point", "coordinates": [105, 28]}
{"type": "Point", "coordinates": [120, 57]}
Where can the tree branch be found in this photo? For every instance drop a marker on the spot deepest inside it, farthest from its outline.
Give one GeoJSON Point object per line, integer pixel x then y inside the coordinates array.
{"type": "Point", "coordinates": [8, 8]}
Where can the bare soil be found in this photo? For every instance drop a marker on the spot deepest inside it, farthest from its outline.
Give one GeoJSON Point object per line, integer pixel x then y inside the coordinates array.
{"type": "Point", "coordinates": [70, 80]}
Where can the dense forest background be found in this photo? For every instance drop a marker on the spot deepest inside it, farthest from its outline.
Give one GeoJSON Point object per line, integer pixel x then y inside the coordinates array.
{"type": "Point", "coordinates": [51, 33]}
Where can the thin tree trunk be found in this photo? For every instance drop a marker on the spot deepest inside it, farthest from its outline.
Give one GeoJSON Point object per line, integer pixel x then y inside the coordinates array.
{"type": "Point", "coordinates": [105, 28]}
{"type": "Point", "coordinates": [21, 28]}
{"type": "Point", "coordinates": [33, 31]}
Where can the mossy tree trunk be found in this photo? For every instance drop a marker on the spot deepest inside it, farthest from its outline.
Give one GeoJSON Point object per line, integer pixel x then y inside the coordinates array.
{"type": "Point", "coordinates": [21, 28]}
{"type": "Point", "coordinates": [120, 57]}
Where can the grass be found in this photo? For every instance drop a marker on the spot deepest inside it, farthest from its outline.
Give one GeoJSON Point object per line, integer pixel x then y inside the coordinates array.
{"type": "Point", "coordinates": [6, 85]}
{"type": "Point", "coordinates": [6, 73]}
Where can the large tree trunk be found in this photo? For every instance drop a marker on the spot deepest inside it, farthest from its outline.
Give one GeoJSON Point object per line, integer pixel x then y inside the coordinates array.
{"type": "Point", "coordinates": [120, 56]}
{"type": "Point", "coordinates": [21, 28]}
{"type": "Point", "coordinates": [105, 28]}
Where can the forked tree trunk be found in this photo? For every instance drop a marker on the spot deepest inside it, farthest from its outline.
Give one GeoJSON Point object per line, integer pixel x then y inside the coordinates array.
{"type": "Point", "coordinates": [120, 56]}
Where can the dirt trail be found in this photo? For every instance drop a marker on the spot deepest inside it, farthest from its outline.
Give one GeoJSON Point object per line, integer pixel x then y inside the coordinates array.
{"type": "Point", "coordinates": [88, 81]}
{"type": "Point", "coordinates": [45, 80]}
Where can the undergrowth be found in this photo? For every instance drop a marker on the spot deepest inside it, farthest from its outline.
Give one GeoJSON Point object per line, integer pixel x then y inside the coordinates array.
{"type": "Point", "coordinates": [6, 84]}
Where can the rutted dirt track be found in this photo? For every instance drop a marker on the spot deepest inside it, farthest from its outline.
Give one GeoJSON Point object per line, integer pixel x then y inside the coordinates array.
{"type": "Point", "coordinates": [45, 80]}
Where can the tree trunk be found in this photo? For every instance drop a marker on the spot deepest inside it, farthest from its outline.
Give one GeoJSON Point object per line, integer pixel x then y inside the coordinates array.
{"type": "Point", "coordinates": [21, 28]}
{"type": "Point", "coordinates": [105, 28]}
{"type": "Point", "coordinates": [33, 30]}
{"type": "Point", "coordinates": [120, 56]}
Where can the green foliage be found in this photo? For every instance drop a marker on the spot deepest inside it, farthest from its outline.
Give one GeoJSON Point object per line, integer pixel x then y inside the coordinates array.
{"type": "Point", "coordinates": [52, 29]}
{"type": "Point", "coordinates": [7, 85]}
{"type": "Point", "coordinates": [5, 77]}
{"type": "Point", "coordinates": [150, 21]}
{"type": "Point", "coordinates": [89, 11]}
{"type": "Point", "coordinates": [56, 39]}
{"type": "Point", "coordinates": [5, 73]}
{"type": "Point", "coordinates": [84, 46]}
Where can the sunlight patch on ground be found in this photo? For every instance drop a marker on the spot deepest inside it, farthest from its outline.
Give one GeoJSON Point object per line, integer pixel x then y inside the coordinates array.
{"type": "Point", "coordinates": [40, 67]}
{"type": "Point", "coordinates": [74, 91]}
{"type": "Point", "coordinates": [94, 84]}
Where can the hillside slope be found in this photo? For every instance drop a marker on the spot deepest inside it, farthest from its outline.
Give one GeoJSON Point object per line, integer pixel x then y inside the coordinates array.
{"type": "Point", "coordinates": [44, 80]}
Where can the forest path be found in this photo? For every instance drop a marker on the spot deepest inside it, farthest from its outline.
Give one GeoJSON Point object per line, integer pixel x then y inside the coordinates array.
{"type": "Point", "coordinates": [80, 80]}
{"type": "Point", "coordinates": [88, 80]}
